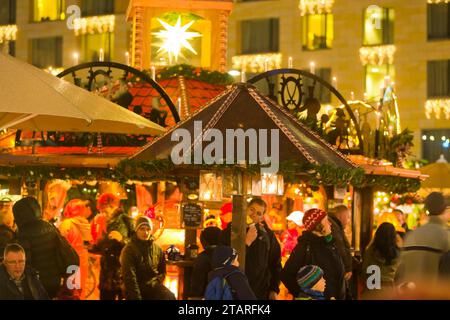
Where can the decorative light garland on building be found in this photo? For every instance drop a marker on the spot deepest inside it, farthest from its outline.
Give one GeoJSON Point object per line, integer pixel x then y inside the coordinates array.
{"type": "Point", "coordinates": [8, 33]}
{"type": "Point", "coordinates": [96, 24]}
{"type": "Point", "coordinates": [315, 6]}
{"type": "Point", "coordinates": [438, 107]}
{"type": "Point", "coordinates": [378, 55]}
{"type": "Point", "coordinates": [256, 63]}
{"type": "Point", "coordinates": [438, 1]}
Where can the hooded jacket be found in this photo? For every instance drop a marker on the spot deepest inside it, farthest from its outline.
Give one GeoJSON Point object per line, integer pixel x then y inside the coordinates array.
{"type": "Point", "coordinates": [143, 264]}
{"type": "Point", "coordinates": [237, 281]}
{"type": "Point", "coordinates": [262, 261]}
{"type": "Point", "coordinates": [315, 250]}
{"type": "Point", "coordinates": [39, 239]}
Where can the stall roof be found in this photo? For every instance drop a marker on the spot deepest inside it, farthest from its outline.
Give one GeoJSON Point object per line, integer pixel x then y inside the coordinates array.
{"type": "Point", "coordinates": [243, 107]}
{"type": "Point", "coordinates": [385, 168]}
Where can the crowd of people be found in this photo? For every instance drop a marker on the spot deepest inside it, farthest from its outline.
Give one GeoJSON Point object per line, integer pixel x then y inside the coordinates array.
{"type": "Point", "coordinates": [40, 261]}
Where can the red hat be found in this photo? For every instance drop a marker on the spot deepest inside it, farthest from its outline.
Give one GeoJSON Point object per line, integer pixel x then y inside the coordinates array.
{"type": "Point", "coordinates": [74, 208]}
{"type": "Point", "coordinates": [150, 213]}
{"type": "Point", "coordinates": [226, 208]}
{"type": "Point", "coordinates": [312, 218]}
{"type": "Point", "coordinates": [107, 199]}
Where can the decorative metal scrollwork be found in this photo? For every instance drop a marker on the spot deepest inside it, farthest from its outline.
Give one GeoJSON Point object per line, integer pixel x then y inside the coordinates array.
{"type": "Point", "coordinates": [291, 93]}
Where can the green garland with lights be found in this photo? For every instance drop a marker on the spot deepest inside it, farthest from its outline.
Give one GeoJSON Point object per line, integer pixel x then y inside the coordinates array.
{"type": "Point", "coordinates": [196, 73]}
{"type": "Point", "coordinates": [292, 172]}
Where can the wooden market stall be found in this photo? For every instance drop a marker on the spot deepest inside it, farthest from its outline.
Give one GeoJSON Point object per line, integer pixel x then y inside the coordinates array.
{"type": "Point", "coordinates": [298, 152]}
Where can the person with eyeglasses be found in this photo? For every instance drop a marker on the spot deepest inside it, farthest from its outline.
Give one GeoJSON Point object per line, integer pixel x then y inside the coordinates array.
{"type": "Point", "coordinates": [17, 280]}
{"type": "Point", "coordinates": [263, 252]}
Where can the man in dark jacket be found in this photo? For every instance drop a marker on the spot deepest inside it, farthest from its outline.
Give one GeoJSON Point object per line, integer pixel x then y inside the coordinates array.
{"type": "Point", "coordinates": [316, 247]}
{"type": "Point", "coordinates": [226, 266]}
{"type": "Point", "coordinates": [18, 282]}
{"type": "Point", "coordinates": [209, 238]}
{"type": "Point", "coordinates": [143, 266]}
{"type": "Point", "coordinates": [339, 218]}
{"type": "Point", "coordinates": [39, 239]}
{"type": "Point", "coordinates": [263, 253]}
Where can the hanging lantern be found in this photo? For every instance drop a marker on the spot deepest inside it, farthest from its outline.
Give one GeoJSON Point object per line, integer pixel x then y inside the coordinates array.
{"type": "Point", "coordinates": [256, 186]}
{"type": "Point", "coordinates": [270, 184]}
{"type": "Point", "coordinates": [210, 186]}
{"type": "Point", "coordinates": [232, 184]}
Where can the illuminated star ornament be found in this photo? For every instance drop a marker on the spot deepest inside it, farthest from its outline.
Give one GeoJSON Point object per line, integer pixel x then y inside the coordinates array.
{"type": "Point", "coordinates": [175, 38]}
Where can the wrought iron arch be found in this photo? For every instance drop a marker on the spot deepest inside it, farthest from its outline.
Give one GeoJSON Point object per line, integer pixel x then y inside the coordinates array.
{"type": "Point", "coordinates": [287, 73]}
{"type": "Point", "coordinates": [127, 70]}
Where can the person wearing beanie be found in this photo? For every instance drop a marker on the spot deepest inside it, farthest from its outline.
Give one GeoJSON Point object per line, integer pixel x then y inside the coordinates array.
{"type": "Point", "coordinates": [144, 266]}
{"type": "Point", "coordinates": [423, 247]}
{"type": "Point", "coordinates": [290, 235]}
{"type": "Point", "coordinates": [209, 238]}
{"type": "Point", "coordinates": [77, 230]}
{"type": "Point", "coordinates": [225, 266]}
{"type": "Point", "coordinates": [316, 247]}
{"type": "Point", "coordinates": [311, 283]}
{"type": "Point", "coordinates": [263, 252]}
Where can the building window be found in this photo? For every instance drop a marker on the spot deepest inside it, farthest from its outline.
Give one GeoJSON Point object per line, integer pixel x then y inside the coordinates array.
{"type": "Point", "coordinates": [260, 36]}
{"type": "Point", "coordinates": [92, 44]}
{"type": "Point", "coordinates": [435, 142]}
{"type": "Point", "coordinates": [438, 21]}
{"type": "Point", "coordinates": [376, 77]}
{"type": "Point", "coordinates": [320, 92]}
{"type": "Point", "coordinates": [378, 26]}
{"type": "Point", "coordinates": [48, 10]}
{"type": "Point", "coordinates": [7, 12]}
{"type": "Point", "coordinates": [317, 31]}
{"type": "Point", "coordinates": [47, 52]}
{"type": "Point", "coordinates": [438, 76]}
{"type": "Point", "coordinates": [97, 7]}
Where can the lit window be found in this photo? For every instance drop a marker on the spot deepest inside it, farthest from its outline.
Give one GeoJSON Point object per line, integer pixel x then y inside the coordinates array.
{"type": "Point", "coordinates": [432, 149]}
{"type": "Point", "coordinates": [438, 78]}
{"type": "Point", "coordinates": [376, 77]}
{"type": "Point", "coordinates": [92, 44]}
{"type": "Point", "coordinates": [97, 7]}
{"type": "Point", "coordinates": [378, 26]}
{"type": "Point", "coordinates": [317, 31]}
{"type": "Point", "coordinates": [49, 10]}
{"type": "Point", "coordinates": [7, 12]}
{"type": "Point", "coordinates": [47, 52]}
{"type": "Point", "coordinates": [438, 20]}
{"type": "Point", "coordinates": [260, 36]}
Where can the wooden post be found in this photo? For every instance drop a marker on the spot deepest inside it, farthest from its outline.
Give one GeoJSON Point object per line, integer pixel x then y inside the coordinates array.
{"type": "Point", "coordinates": [366, 217]}
{"type": "Point", "coordinates": [356, 220]}
{"type": "Point", "coordinates": [239, 228]}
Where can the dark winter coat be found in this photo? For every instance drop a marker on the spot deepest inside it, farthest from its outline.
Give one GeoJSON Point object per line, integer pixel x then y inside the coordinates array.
{"type": "Point", "coordinates": [32, 286]}
{"type": "Point", "coordinates": [341, 243]}
{"type": "Point", "coordinates": [110, 250]}
{"type": "Point", "coordinates": [202, 267]}
{"type": "Point", "coordinates": [39, 239]}
{"type": "Point", "coordinates": [143, 267]}
{"type": "Point", "coordinates": [312, 249]}
{"type": "Point", "coordinates": [6, 236]}
{"type": "Point", "coordinates": [262, 261]}
{"type": "Point", "coordinates": [237, 281]}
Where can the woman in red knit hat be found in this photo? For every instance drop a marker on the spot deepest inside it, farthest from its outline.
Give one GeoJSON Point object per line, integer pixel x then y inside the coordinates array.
{"type": "Point", "coordinates": [316, 247]}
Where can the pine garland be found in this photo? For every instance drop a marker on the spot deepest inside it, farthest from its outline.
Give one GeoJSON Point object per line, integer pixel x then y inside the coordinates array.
{"type": "Point", "coordinates": [191, 72]}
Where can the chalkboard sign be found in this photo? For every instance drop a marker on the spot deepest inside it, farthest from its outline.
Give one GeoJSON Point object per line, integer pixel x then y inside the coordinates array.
{"type": "Point", "coordinates": [192, 215]}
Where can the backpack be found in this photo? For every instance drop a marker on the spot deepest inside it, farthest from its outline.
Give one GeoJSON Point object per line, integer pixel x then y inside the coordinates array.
{"type": "Point", "coordinates": [219, 289]}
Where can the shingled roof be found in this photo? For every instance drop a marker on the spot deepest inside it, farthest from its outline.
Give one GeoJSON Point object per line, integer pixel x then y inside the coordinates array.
{"type": "Point", "coordinates": [243, 107]}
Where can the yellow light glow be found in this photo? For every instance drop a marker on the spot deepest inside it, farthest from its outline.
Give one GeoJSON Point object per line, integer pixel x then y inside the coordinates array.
{"type": "Point", "coordinates": [437, 107]}
{"type": "Point", "coordinates": [8, 33]}
{"type": "Point", "coordinates": [175, 38]}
